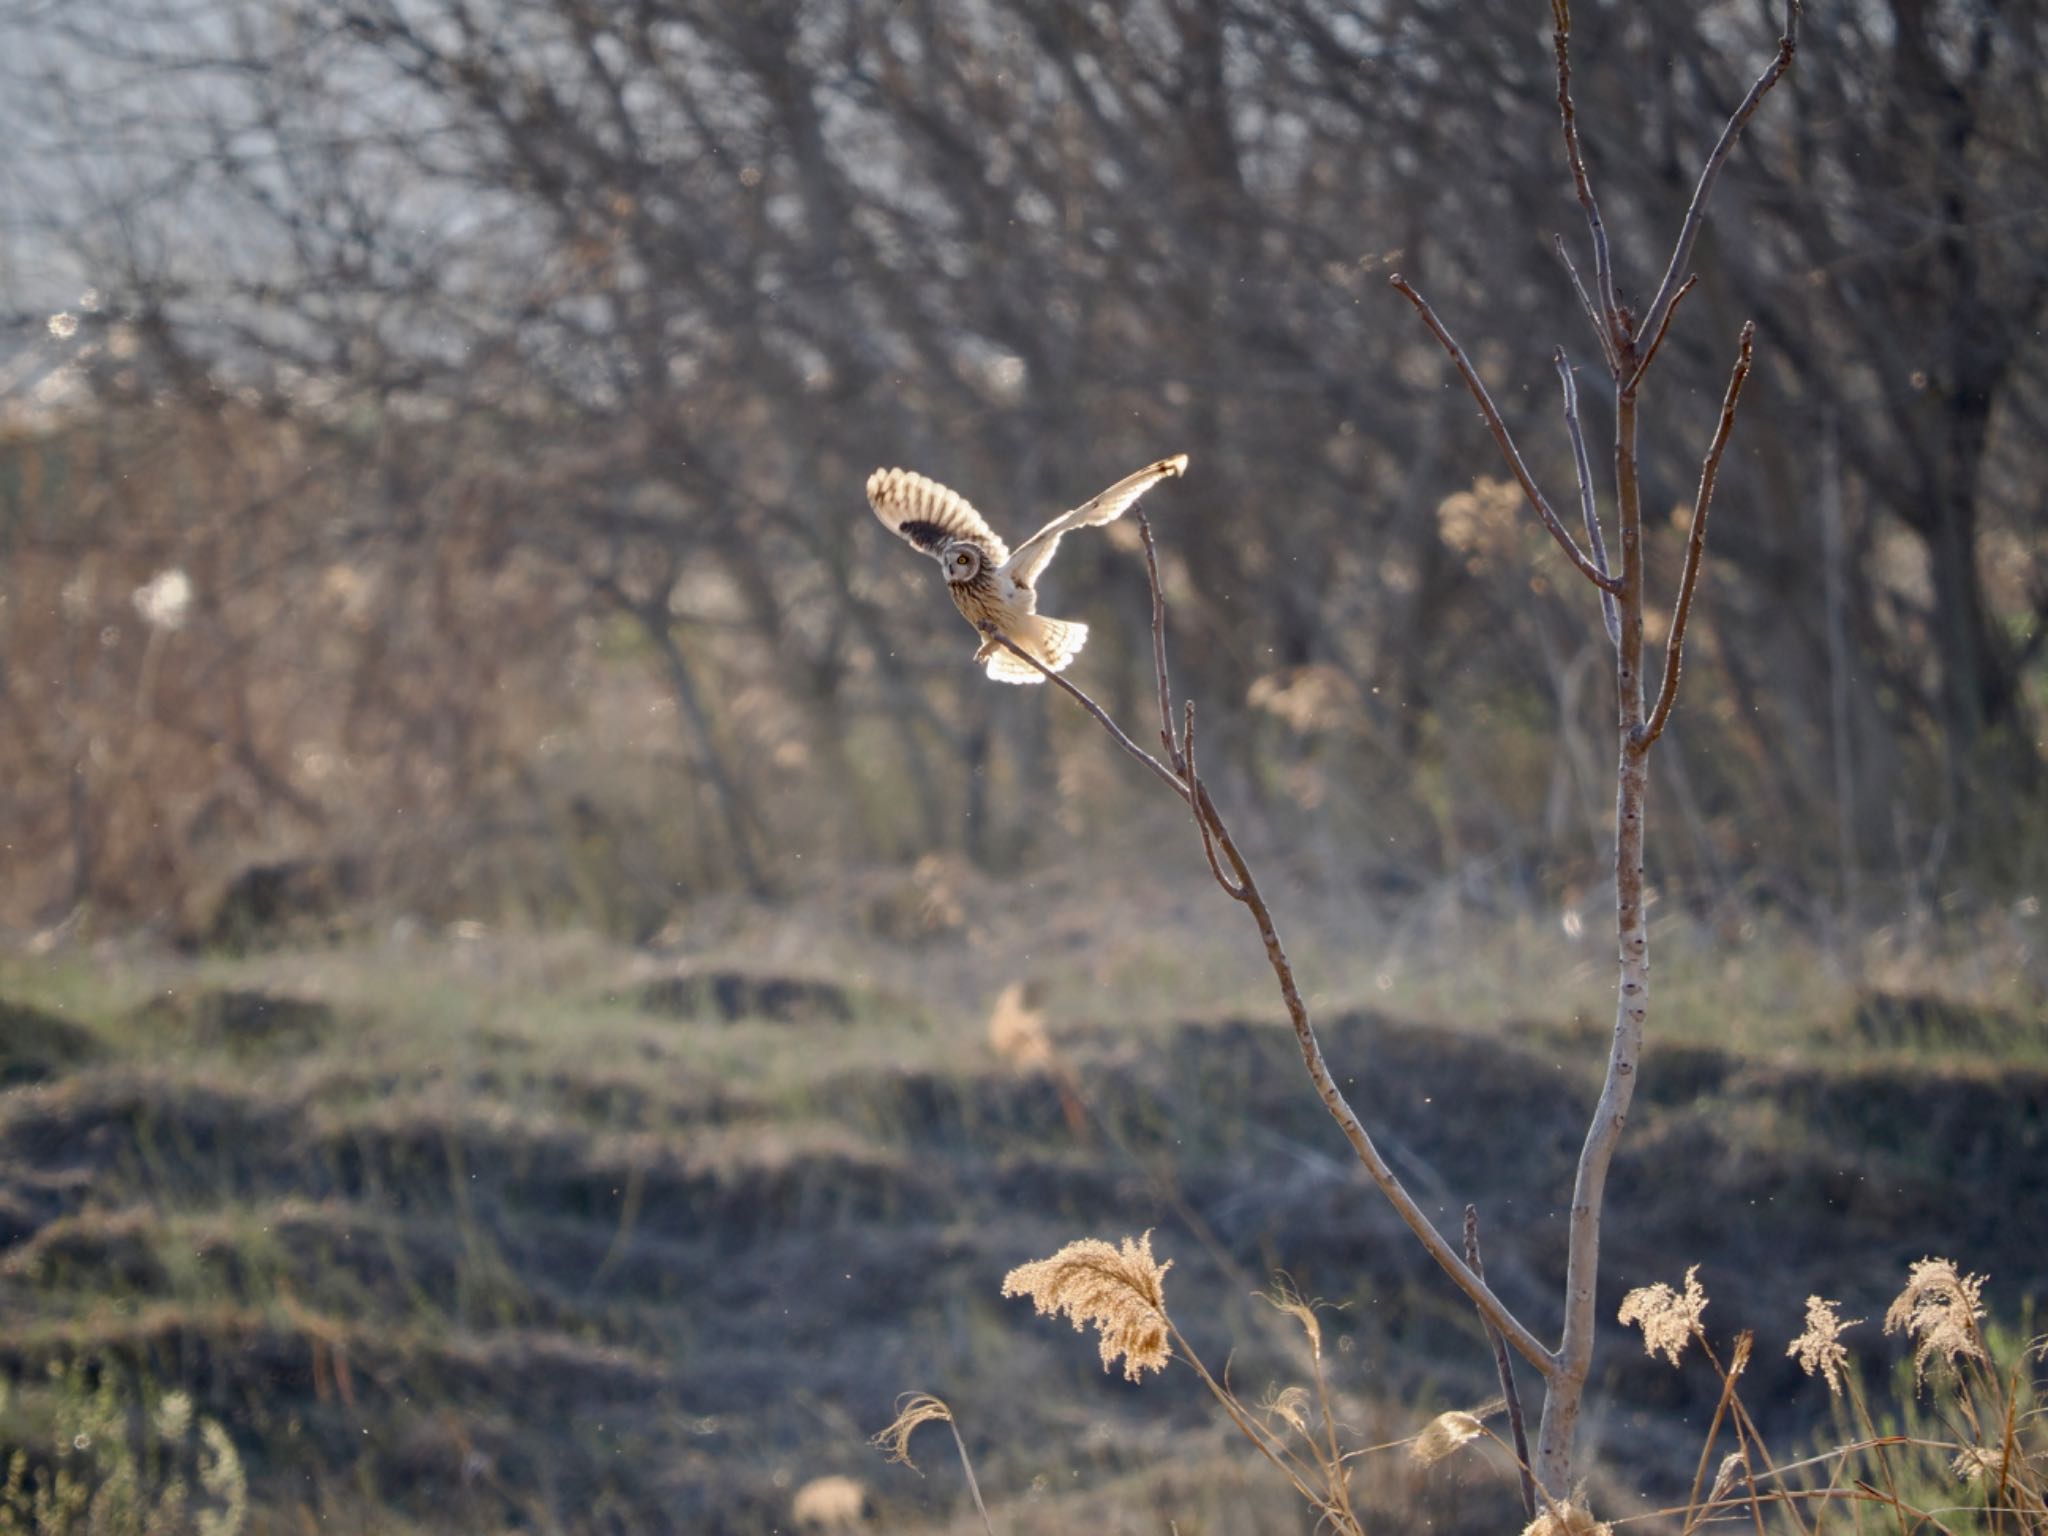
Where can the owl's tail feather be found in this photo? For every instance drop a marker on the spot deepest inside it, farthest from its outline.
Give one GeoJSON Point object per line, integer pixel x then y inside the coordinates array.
{"type": "Point", "coordinates": [1053, 641]}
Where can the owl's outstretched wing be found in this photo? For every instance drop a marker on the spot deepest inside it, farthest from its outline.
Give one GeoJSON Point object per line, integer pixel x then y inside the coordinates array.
{"type": "Point", "coordinates": [1033, 553]}
{"type": "Point", "coordinates": [926, 514]}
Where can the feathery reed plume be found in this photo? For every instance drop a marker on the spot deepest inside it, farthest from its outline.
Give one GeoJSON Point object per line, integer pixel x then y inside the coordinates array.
{"type": "Point", "coordinates": [1819, 1349]}
{"type": "Point", "coordinates": [1446, 1433]}
{"type": "Point", "coordinates": [1121, 1293]}
{"type": "Point", "coordinates": [1567, 1520]}
{"type": "Point", "coordinates": [1724, 1480]}
{"type": "Point", "coordinates": [917, 1408]}
{"type": "Point", "coordinates": [1290, 1406]}
{"type": "Point", "coordinates": [833, 1503]}
{"type": "Point", "coordinates": [1667, 1318]}
{"type": "Point", "coordinates": [1980, 1463]}
{"type": "Point", "coordinates": [913, 1410]}
{"type": "Point", "coordinates": [1939, 1311]}
{"type": "Point", "coordinates": [1285, 1298]}
{"type": "Point", "coordinates": [1016, 1030]}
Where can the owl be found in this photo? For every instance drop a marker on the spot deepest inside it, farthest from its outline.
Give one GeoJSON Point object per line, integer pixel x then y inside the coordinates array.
{"type": "Point", "coordinates": [996, 590]}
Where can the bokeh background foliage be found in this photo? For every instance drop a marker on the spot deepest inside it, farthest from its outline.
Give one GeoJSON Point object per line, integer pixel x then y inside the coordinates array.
{"type": "Point", "coordinates": [499, 381]}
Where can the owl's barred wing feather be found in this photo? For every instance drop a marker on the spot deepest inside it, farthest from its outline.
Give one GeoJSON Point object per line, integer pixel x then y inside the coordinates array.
{"type": "Point", "coordinates": [1035, 551]}
{"type": "Point", "coordinates": [926, 514]}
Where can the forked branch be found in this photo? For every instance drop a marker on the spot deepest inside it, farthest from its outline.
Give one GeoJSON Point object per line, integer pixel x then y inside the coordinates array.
{"type": "Point", "coordinates": [1663, 328]}
{"type": "Point", "coordinates": [1509, 451]}
{"type": "Point", "coordinates": [1166, 775]}
{"type": "Point", "coordinates": [1696, 543]}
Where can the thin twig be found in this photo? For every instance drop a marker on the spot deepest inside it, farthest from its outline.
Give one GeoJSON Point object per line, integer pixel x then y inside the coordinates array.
{"type": "Point", "coordinates": [1610, 614]}
{"type": "Point", "coordinates": [1499, 428]}
{"type": "Point", "coordinates": [1166, 775]}
{"type": "Point", "coordinates": [1504, 1367]}
{"type": "Point", "coordinates": [1663, 328]}
{"type": "Point", "coordinates": [1696, 214]}
{"type": "Point", "coordinates": [1586, 302]}
{"type": "Point", "coordinates": [1674, 648]}
{"type": "Point", "coordinates": [1347, 1119]}
{"type": "Point", "coordinates": [1174, 753]}
{"type": "Point", "coordinates": [1603, 261]}
{"type": "Point", "coordinates": [1234, 891]}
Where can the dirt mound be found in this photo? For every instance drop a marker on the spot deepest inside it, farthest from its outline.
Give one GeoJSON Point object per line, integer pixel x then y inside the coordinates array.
{"type": "Point", "coordinates": [36, 1046]}
{"type": "Point", "coordinates": [243, 1019]}
{"type": "Point", "coordinates": [291, 901]}
{"type": "Point", "coordinates": [730, 996]}
{"type": "Point", "coordinates": [1918, 1021]}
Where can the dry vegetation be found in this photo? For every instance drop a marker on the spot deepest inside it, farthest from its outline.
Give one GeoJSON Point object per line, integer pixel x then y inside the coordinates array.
{"type": "Point", "coordinates": [493, 1195]}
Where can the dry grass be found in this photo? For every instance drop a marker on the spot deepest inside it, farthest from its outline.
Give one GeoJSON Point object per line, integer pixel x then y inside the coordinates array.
{"type": "Point", "coordinates": [1981, 1468]}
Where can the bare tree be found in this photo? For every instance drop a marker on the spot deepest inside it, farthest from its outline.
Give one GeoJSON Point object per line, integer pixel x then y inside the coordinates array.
{"type": "Point", "coordinates": [1629, 345]}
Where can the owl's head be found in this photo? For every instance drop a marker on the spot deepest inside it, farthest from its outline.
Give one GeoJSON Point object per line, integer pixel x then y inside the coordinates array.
{"type": "Point", "coordinates": [961, 561]}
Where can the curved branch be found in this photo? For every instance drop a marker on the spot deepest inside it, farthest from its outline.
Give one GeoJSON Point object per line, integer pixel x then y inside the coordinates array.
{"type": "Point", "coordinates": [1696, 214]}
{"type": "Point", "coordinates": [1612, 339]}
{"type": "Point", "coordinates": [1610, 615]}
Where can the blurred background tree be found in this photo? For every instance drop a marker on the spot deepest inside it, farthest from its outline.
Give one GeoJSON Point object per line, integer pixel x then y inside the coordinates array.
{"type": "Point", "coordinates": [434, 437]}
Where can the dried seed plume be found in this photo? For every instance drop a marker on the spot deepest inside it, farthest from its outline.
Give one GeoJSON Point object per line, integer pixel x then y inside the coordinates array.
{"type": "Point", "coordinates": [1446, 1433]}
{"type": "Point", "coordinates": [913, 1409]}
{"type": "Point", "coordinates": [1939, 1311]}
{"type": "Point", "coordinates": [1819, 1349]}
{"type": "Point", "coordinates": [1284, 1297]}
{"type": "Point", "coordinates": [1291, 1407]}
{"type": "Point", "coordinates": [1119, 1292]}
{"type": "Point", "coordinates": [834, 1503]}
{"type": "Point", "coordinates": [1668, 1319]}
{"type": "Point", "coordinates": [1980, 1463]}
{"type": "Point", "coordinates": [1567, 1520]}
{"type": "Point", "coordinates": [1732, 1465]}
{"type": "Point", "coordinates": [1016, 1030]}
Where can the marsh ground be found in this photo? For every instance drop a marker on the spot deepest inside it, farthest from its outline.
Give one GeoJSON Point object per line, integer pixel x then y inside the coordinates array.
{"type": "Point", "coordinates": [485, 1230]}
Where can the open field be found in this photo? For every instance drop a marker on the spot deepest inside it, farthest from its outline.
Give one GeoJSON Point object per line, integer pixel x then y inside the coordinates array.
{"type": "Point", "coordinates": [495, 1231]}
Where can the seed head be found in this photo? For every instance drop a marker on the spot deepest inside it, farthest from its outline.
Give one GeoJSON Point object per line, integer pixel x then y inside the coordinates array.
{"type": "Point", "coordinates": [1818, 1348]}
{"type": "Point", "coordinates": [1120, 1293]}
{"type": "Point", "coordinates": [1939, 1311]}
{"type": "Point", "coordinates": [1667, 1318]}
